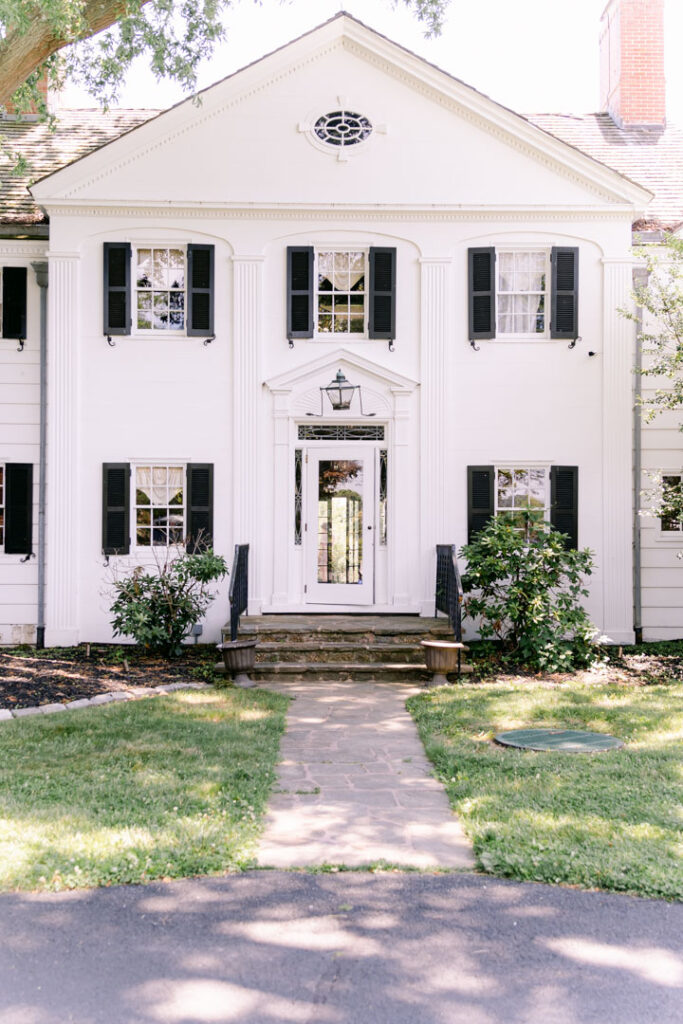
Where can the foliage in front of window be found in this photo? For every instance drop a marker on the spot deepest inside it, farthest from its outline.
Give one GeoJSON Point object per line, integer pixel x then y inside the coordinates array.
{"type": "Point", "coordinates": [157, 608]}
{"type": "Point", "coordinates": [661, 300]}
{"type": "Point", "coordinates": [160, 289]}
{"type": "Point", "coordinates": [671, 505]}
{"type": "Point", "coordinates": [524, 589]}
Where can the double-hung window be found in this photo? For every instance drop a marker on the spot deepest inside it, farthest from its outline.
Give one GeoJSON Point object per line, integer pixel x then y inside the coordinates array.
{"type": "Point", "coordinates": [522, 497]}
{"type": "Point", "coordinates": [340, 292]}
{"type": "Point", "coordinates": [158, 505]}
{"type": "Point", "coordinates": [523, 293]}
{"type": "Point", "coordinates": [159, 281]}
{"type": "Point", "coordinates": [158, 290]}
{"type": "Point", "coordinates": [523, 279]}
{"type": "Point", "coordinates": [335, 292]}
{"type": "Point", "coordinates": [526, 495]}
{"type": "Point", "coordinates": [670, 522]}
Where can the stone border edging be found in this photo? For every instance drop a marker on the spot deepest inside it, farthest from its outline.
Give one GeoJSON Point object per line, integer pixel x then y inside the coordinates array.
{"type": "Point", "coordinates": [6, 714]}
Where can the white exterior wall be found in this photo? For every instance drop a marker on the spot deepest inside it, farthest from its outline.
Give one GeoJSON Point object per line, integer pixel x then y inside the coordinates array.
{"type": "Point", "coordinates": [19, 442]}
{"type": "Point", "coordinates": [443, 177]}
{"type": "Point", "coordinates": [661, 566]}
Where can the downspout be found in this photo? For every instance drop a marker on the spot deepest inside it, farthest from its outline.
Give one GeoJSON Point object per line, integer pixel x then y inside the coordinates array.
{"type": "Point", "coordinates": [40, 270]}
{"type": "Point", "coordinates": [640, 279]}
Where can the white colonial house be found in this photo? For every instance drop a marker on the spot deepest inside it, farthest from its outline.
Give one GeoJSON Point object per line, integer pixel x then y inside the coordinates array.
{"type": "Point", "coordinates": [341, 213]}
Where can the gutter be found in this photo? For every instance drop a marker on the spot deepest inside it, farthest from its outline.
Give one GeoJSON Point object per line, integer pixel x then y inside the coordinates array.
{"type": "Point", "coordinates": [40, 270]}
{"type": "Point", "coordinates": [640, 278]}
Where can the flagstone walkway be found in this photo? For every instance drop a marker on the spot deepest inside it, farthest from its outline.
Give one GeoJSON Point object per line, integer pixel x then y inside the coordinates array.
{"type": "Point", "coordinates": [354, 785]}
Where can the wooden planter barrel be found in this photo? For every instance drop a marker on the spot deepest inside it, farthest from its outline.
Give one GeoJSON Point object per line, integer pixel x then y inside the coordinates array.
{"type": "Point", "coordinates": [441, 656]}
{"type": "Point", "coordinates": [239, 657]}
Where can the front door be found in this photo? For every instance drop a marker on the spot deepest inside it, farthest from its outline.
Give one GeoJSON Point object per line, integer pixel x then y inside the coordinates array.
{"type": "Point", "coordinates": [340, 526]}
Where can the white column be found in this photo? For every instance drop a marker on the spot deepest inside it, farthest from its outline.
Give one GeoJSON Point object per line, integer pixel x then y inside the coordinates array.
{"type": "Point", "coordinates": [247, 401]}
{"type": "Point", "coordinates": [617, 546]}
{"type": "Point", "coordinates": [63, 413]}
{"type": "Point", "coordinates": [436, 303]}
{"type": "Point", "coordinates": [283, 474]}
{"type": "Point", "coordinates": [401, 581]}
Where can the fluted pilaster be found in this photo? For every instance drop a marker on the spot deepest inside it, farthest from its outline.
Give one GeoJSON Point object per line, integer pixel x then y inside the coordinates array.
{"type": "Point", "coordinates": [436, 302]}
{"type": "Point", "coordinates": [63, 471]}
{"type": "Point", "coordinates": [247, 319]}
{"type": "Point", "coordinates": [616, 452]}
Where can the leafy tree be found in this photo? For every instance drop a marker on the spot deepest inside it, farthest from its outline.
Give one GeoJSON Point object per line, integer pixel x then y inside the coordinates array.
{"type": "Point", "coordinates": [524, 588]}
{"type": "Point", "coordinates": [661, 300]}
{"type": "Point", "coordinates": [38, 36]}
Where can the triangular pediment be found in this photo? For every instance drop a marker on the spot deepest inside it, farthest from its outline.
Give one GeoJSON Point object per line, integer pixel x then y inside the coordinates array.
{"type": "Point", "coordinates": [321, 371]}
{"type": "Point", "coordinates": [435, 141]}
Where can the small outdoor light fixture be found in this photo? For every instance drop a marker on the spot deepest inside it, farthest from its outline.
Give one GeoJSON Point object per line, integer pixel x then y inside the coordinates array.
{"type": "Point", "coordinates": [340, 393]}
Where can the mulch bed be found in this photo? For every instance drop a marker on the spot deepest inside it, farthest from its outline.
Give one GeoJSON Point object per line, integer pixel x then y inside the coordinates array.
{"type": "Point", "coordinates": [29, 678]}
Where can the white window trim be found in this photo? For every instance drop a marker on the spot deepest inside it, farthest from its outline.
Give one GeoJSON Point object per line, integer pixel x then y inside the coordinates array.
{"type": "Point", "coordinates": [148, 550]}
{"type": "Point", "coordinates": [155, 332]}
{"type": "Point", "coordinates": [521, 464]}
{"type": "Point", "coordinates": [538, 338]}
{"type": "Point", "coordinates": [673, 538]}
{"type": "Point", "coordinates": [347, 336]}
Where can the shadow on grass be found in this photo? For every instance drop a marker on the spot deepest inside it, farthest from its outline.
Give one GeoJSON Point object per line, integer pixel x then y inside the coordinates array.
{"type": "Point", "coordinates": [129, 792]}
{"type": "Point", "coordinates": [608, 819]}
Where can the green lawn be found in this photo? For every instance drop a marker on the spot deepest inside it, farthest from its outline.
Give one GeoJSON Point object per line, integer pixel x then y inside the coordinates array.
{"type": "Point", "coordinates": [160, 788]}
{"type": "Point", "coordinates": [612, 820]}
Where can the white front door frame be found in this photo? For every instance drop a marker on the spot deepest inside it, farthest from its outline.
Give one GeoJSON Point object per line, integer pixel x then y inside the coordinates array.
{"type": "Point", "coordinates": [360, 588]}
{"type": "Point", "coordinates": [393, 400]}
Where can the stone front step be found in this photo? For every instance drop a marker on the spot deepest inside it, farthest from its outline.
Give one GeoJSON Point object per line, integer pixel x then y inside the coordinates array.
{"type": "Point", "coordinates": [370, 628]}
{"type": "Point", "coordinates": [385, 648]}
{"type": "Point", "coordinates": [334, 651]}
{"type": "Point", "coordinates": [338, 671]}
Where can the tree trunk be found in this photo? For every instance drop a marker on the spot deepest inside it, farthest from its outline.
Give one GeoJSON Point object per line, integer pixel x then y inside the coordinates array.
{"type": "Point", "coordinates": [23, 52]}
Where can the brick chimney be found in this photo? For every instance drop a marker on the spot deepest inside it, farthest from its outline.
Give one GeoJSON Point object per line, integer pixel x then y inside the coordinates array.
{"type": "Point", "coordinates": [632, 86]}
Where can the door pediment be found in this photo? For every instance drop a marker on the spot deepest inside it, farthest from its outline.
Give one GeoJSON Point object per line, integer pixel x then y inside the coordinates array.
{"type": "Point", "coordinates": [299, 389]}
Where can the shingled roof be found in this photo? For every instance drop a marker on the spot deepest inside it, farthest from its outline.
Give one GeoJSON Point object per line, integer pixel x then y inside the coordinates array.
{"type": "Point", "coordinates": [76, 133]}
{"type": "Point", "coordinates": [651, 156]}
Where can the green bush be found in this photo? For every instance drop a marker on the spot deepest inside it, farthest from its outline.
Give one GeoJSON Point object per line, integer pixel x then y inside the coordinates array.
{"type": "Point", "coordinates": [524, 588]}
{"type": "Point", "coordinates": [158, 608]}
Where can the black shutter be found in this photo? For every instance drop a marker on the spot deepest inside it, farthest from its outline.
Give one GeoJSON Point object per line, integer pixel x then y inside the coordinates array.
{"type": "Point", "coordinates": [564, 302]}
{"type": "Point", "coordinates": [14, 302]}
{"type": "Point", "coordinates": [199, 503]}
{"type": "Point", "coordinates": [481, 264]}
{"type": "Point", "coordinates": [564, 502]}
{"type": "Point", "coordinates": [18, 508]}
{"type": "Point", "coordinates": [299, 291]}
{"type": "Point", "coordinates": [382, 294]}
{"type": "Point", "coordinates": [117, 258]}
{"type": "Point", "coordinates": [480, 505]}
{"type": "Point", "coordinates": [116, 508]}
{"type": "Point", "coordinates": [200, 290]}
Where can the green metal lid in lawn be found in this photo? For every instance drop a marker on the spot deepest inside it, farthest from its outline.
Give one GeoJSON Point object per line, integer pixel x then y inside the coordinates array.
{"type": "Point", "coordinates": [568, 741]}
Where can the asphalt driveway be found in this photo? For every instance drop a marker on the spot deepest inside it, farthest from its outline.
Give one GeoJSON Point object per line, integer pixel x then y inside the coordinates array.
{"type": "Point", "coordinates": [269, 947]}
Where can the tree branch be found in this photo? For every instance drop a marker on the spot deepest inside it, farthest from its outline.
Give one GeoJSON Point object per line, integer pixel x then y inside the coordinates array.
{"type": "Point", "coordinates": [23, 50]}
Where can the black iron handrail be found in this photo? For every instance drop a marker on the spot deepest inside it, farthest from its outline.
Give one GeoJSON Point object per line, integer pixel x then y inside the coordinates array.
{"type": "Point", "coordinates": [239, 587]}
{"type": "Point", "coordinates": [449, 592]}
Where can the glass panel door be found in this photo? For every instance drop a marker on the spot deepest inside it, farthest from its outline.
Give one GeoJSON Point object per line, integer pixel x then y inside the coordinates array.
{"type": "Point", "coordinates": [340, 527]}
